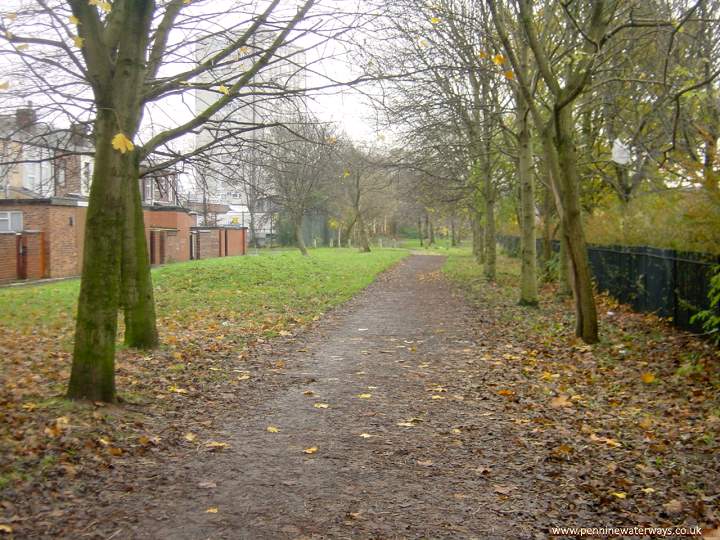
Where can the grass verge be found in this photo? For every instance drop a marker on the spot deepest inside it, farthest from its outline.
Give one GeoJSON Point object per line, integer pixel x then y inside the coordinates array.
{"type": "Point", "coordinates": [627, 427]}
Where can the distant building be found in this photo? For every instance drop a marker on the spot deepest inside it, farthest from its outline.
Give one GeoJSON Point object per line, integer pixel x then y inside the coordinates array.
{"type": "Point", "coordinates": [38, 160]}
{"type": "Point", "coordinates": [232, 176]}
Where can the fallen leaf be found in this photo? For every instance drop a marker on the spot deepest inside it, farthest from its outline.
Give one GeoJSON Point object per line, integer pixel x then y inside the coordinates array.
{"type": "Point", "coordinates": [560, 401]}
{"type": "Point", "coordinates": [674, 506]}
{"type": "Point", "coordinates": [212, 510]}
{"type": "Point", "coordinates": [308, 393]}
{"type": "Point", "coordinates": [190, 437]}
{"type": "Point", "coordinates": [425, 463]}
{"type": "Point", "coordinates": [648, 378]}
{"type": "Point", "coordinates": [215, 445]}
{"type": "Point", "coordinates": [311, 450]}
{"type": "Point", "coordinates": [503, 490]}
{"type": "Point", "coordinates": [365, 435]}
{"type": "Point", "coordinates": [619, 494]}
{"type": "Point", "coordinates": [6, 528]}
{"type": "Point", "coordinates": [364, 396]}
{"type": "Point", "coordinates": [207, 484]}
{"type": "Point", "coordinates": [273, 429]}
{"type": "Point", "coordinates": [321, 405]}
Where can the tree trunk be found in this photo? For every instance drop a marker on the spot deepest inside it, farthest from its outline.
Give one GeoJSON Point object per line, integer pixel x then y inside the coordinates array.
{"type": "Point", "coordinates": [453, 233]}
{"type": "Point", "coordinates": [547, 236]}
{"type": "Point", "coordinates": [253, 229]}
{"type": "Point", "coordinates": [528, 272]}
{"type": "Point", "coordinates": [431, 231]}
{"type": "Point", "coordinates": [581, 279]}
{"type": "Point", "coordinates": [137, 298]}
{"type": "Point", "coordinates": [564, 289]}
{"type": "Point", "coordinates": [299, 236]}
{"type": "Point", "coordinates": [363, 235]}
{"type": "Point", "coordinates": [420, 231]}
{"type": "Point", "coordinates": [93, 368]}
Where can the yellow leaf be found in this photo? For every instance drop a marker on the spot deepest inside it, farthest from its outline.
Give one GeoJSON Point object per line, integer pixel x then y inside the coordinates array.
{"type": "Point", "coordinates": [308, 393]}
{"type": "Point", "coordinates": [509, 75]}
{"type": "Point", "coordinates": [186, 2]}
{"type": "Point", "coordinates": [436, 397]}
{"type": "Point", "coordinates": [215, 445]}
{"type": "Point", "coordinates": [177, 390]}
{"type": "Point", "coordinates": [74, 20]}
{"type": "Point", "coordinates": [321, 405]}
{"type": "Point", "coordinates": [4, 85]}
{"type": "Point", "coordinates": [122, 144]}
{"type": "Point", "coordinates": [22, 47]}
{"type": "Point", "coordinates": [406, 424]}
{"type": "Point", "coordinates": [365, 435]}
{"type": "Point", "coordinates": [103, 441]}
{"type": "Point", "coordinates": [619, 494]}
{"type": "Point", "coordinates": [243, 377]}
{"type": "Point", "coordinates": [6, 528]}
{"type": "Point", "coordinates": [346, 173]}
{"type": "Point", "coordinates": [456, 431]}
{"type": "Point", "coordinates": [190, 437]}
{"type": "Point", "coordinates": [648, 490]}
{"type": "Point", "coordinates": [364, 396]}
{"type": "Point", "coordinates": [273, 429]}
{"type": "Point", "coordinates": [560, 401]}
{"type": "Point", "coordinates": [102, 4]}
{"type": "Point", "coordinates": [11, 16]}
{"type": "Point", "coordinates": [311, 450]}
{"type": "Point", "coordinates": [648, 378]}
{"type": "Point", "coordinates": [498, 59]}
{"type": "Point", "coordinates": [482, 55]}
{"type": "Point", "coordinates": [212, 510]}
{"type": "Point", "coordinates": [115, 451]}
{"type": "Point", "coordinates": [224, 89]}
{"type": "Point", "coordinates": [435, 20]}
{"type": "Point", "coordinates": [505, 393]}
{"type": "Point", "coordinates": [426, 463]}
{"type": "Point", "coordinates": [144, 440]}
{"type": "Point", "coordinates": [79, 42]}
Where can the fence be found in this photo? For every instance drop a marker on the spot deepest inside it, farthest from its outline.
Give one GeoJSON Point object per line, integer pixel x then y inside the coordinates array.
{"type": "Point", "coordinates": [669, 283]}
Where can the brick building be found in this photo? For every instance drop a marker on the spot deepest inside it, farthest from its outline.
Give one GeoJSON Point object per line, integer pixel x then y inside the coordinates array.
{"type": "Point", "coordinates": [43, 238]}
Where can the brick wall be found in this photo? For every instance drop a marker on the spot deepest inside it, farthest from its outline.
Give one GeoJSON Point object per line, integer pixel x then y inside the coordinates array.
{"type": "Point", "coordinates": [177, 247]}
{"type": "Point", "coordinates": [8, 257]}
{"type": "Point", "coordinates": [235, 241]}
{"type": "Point", "coordinates": [208, 243]}
{"type": "Point", "coordinates": [65, 236]}
{"type": "Point", "coordinates": [34, 243]}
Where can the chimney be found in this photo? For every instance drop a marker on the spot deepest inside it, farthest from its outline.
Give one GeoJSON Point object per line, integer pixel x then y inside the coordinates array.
{"type": "Point", "coordinates": [78, 134]}
{"type": "Point", "coordinates": [25, 117]}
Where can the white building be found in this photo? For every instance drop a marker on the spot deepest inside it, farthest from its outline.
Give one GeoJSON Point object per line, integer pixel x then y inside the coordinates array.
{"type": "Point", "coordinates": [232, 175]}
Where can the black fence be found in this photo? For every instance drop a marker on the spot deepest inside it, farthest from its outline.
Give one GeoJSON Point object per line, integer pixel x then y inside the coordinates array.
{"type": "Point", "coordinates": [669, 283]}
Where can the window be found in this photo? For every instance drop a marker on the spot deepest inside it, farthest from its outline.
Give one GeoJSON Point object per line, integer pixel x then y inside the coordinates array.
{"type": "Point", "coordinates": [11, 222]}
{"type": "Point", "coordinates": [147, 189]}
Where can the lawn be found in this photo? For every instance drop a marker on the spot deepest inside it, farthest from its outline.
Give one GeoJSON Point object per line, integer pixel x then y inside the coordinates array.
{"type": "Point", "coordinates": [277, 284]}
{"type": "Point", "coordinates": [211, 315]}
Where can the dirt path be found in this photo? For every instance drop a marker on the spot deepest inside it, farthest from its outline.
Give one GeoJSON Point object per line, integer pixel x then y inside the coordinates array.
{"type": "Point", "coordinates": [392, 364]}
